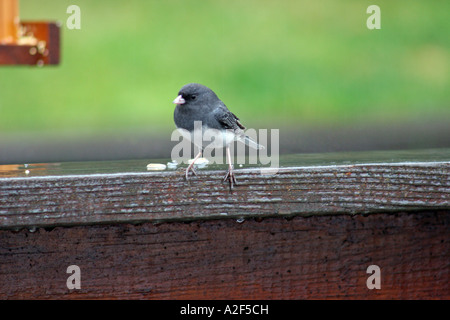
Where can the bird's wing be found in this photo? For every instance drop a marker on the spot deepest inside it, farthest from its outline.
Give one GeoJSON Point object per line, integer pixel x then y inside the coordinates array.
{"type": "Point", "coordinates": [228, 120]}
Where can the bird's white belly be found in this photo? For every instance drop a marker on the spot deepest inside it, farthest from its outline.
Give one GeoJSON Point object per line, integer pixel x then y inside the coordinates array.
{"type": "Point", "coordinates": [205, 137]}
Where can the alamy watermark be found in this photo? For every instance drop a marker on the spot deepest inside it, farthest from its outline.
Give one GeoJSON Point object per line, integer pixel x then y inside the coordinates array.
{"type": "Point", "coordinates": [374, 280]}
{"type": "Point", "coordinates": [374, 20]}
{"type": "Point", "coordinates": [74, 280]}
{"type": "Point", "coordinates": [213, 142]}
{"type": "Point", "coordinates": [74, 20]}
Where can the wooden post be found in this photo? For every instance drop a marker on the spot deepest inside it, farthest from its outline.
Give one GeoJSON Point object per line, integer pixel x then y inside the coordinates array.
{"type": "Point", "coordinates": [9, 21]}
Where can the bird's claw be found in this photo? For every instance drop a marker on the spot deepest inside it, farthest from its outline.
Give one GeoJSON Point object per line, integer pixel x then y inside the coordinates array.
{"type": "Point", "coordinates": [230, 177]}
{"type": "Point", "coordinates": [190, 168]}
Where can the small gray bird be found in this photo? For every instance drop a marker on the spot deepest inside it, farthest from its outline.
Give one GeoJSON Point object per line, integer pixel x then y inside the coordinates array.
{"type": "Point", "coordinates": [196, 102]}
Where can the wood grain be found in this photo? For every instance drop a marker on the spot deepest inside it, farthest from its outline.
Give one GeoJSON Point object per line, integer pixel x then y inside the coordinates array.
{"type": "Point", "coordinates": [158, 197]}
{"type": "Point", "coordinates": [316, 257]}
{"type": "Point", "coordinates": [303, 233]}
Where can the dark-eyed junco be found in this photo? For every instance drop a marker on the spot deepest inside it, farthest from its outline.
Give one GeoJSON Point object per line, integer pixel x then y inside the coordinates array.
{"type": "Point", "coordinates": [199, 104]}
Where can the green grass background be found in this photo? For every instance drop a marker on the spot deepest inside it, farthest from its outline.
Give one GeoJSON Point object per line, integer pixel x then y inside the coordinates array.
{"type": "Point", "coordinates": [274, 63]}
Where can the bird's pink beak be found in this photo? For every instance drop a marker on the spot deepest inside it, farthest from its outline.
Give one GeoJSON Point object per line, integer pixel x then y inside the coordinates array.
{"type": "Point", "coordinates": [179, 100]}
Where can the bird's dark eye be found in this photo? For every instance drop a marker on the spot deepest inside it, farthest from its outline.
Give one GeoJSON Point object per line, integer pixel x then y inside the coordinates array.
{"type": "Point", "coordinates": [193, 97]}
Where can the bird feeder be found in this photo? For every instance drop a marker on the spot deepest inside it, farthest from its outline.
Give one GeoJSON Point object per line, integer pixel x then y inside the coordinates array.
{"type": "Point", "coordinates": [27, 43]}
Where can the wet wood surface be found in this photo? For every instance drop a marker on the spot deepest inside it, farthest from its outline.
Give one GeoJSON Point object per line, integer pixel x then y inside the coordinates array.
{"type": "Point", "coordinates": [43, 195]}
{"type": "Point", "coordinates": [310, 231]}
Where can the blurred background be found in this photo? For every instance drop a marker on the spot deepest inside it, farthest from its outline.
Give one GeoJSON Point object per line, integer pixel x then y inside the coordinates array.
{"type": "Point", "coordinates": [309, 68]}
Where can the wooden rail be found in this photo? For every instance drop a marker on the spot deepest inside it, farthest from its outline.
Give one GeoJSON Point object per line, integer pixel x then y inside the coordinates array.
{"type": "Point", "coordinates": [309, 231]}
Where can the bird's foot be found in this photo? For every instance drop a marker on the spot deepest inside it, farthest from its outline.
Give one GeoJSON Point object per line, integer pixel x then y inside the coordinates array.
{"type": "Point", "coordinates": [190, 168]}
{"type": "Point", "coordinates": [230, 177]}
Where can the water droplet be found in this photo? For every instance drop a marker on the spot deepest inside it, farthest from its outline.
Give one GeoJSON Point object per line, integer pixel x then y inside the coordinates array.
{"type": "Point", "coordinates": [32, 229]}
{"type": "Point", "coordinates": [33, 51]}
{"type": "Point", "coordinates": [240, 220]}
{"type": "Point", "coordinates": [41, 46]}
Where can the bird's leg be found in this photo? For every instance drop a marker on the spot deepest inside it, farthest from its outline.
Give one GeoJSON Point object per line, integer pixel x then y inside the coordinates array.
{"type": "Point", "coordinates": [191, 166]}
{"type": "Point", "coordinates": [230, 175]}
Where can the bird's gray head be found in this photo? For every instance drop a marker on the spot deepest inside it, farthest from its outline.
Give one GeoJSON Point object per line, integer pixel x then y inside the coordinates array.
{"type": "Point", "coordinates": [194, 93]}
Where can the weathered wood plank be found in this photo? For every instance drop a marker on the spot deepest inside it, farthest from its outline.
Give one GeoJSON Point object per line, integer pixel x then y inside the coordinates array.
{"type": "Point", "coordinates": [316, 257]}
{"type": "Point", "coordinates": [307, 232]}
{"type": "Point", "coordinates": [165, 196]}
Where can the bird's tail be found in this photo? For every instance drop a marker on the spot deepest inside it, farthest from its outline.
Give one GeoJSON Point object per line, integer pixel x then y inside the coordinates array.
{"type": "Point", "coordinates": [251, 143]}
